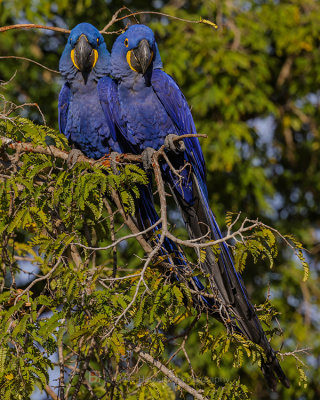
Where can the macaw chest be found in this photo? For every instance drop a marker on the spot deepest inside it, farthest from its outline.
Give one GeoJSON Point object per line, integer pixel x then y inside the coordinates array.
{"type": "Point", "coordinates": [146, 120]}
{"type": "Point", "coordinates": [86, 125]}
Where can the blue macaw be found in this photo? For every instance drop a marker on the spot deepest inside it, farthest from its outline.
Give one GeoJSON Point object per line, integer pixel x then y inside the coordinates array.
{"type": "Point", "coordinates": [85, 118]}
{"type": "Point", "coordinates": [149, 110]}
{"type": "Point", "coordinates": [84, 61]}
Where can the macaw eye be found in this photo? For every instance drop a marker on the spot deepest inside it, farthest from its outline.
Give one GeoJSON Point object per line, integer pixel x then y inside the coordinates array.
{"type": "Point", "coordinates": [98, 41]}
{"type": "Point", "coordinates": [126, 42]}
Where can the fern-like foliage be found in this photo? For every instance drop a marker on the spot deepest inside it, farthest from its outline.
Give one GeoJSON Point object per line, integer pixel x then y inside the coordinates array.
{"type": "Point", "coordinates": [56, 218]}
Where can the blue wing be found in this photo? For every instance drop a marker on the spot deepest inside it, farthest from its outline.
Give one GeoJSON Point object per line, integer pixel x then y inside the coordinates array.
{"type": "Point", "coordinates": [109, 99]}
{"type": "Point", "coordinates": [146, 213]}
{"type": "Point", "coordinates": [63, 106]}
{"type": "Point", "coordinates": [177, 108]}
{"type": "Point", "coordinates": [107, 95]}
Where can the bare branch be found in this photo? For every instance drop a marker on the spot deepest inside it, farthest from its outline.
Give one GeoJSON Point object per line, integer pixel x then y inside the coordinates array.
{"type": "Point", "coordinates": [33, 26]}
{"type": "Point", "coordinates": [115, 243]}
{"type": "Point", "coordinates": [61, 367]}
{"type": "Point", "coordinates": [200, 21]}
{"type": "Point", "coordinates": [294, 353]}
{"type": "Point", "coordinates": [113, 237]}
{"type": "Point", "coordinates": [30, 60]}
{"type": "Point", "coordinates": [113, 20]}
{"type": "Point", "coordinates": [27, 289]}
{"type": "Point", "coordinates": [167, 372]}
{"type": "Point", "coordinates": [51, 393]}
{"type": "Point", "coordinates": [121, 278]}
{"type": "Point", "coordinates": [191, 243]}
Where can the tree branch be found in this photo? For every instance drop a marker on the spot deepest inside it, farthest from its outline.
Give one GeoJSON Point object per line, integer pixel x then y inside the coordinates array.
{"type": "Point", "coordinates": [167, 372]}
{"type": "Point", "coordinates": [33, 26]}
{"type": "Point", "coordinates": [42, 278]}
{"type": "Point", "coordinates": [30, 60]}
{"type": "Point", "coordinates": [200, 21]}
{"type": "Point", "coordinates": [51, 393]}
{"type": "Point", "coordinates": [113, 20]}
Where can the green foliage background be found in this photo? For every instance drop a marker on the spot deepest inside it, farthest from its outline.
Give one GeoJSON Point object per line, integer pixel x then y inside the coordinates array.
{"type": "Point", "coordinates": [253, 86]}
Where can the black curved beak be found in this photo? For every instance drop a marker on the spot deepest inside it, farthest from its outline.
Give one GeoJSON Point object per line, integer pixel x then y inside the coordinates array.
{"type": "Point", "coordinates": [141, 56]}
{"type": "Point", "coordinates": [84, 57]}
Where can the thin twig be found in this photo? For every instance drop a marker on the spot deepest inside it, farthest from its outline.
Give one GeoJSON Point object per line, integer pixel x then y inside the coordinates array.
{"type": "Point", "coordinates": [120, 278]}
{"type": "Point", "coordinates": [27, 289]}
{"type": "Point", "coordinates": [61, 367]}
{"type": "Point", "coordinates": [113, 19]}
{"type": "Point", "coordinates": [32, 61]}
{"type": "Point", "coordinates": [113, 237]}
{"type": "Point", "coordinates": [191, 243]}
{"type": "Point", "coordinates": [13, 109]}
{"type": "Point", "coordinates": [189, 21]}
{"type": "Point", "coordinates": [33, 26]}
{"type": "Point", "coordinates": [294, 354]}
{"type": "Point", "coordinates": [115, 243]}
{"type": "Point", "coordinates": [166, 371]}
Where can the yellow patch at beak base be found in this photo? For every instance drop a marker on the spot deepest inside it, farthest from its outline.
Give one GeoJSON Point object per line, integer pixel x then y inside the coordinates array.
{"type": "Point", "coordinates": [129, 60]}
{"type": "Point", "coordinates": [72, 58]}
{"type": "Point", "coordinates": [96, 55]}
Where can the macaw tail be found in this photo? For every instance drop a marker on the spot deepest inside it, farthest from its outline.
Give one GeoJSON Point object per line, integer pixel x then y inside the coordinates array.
{"type": "Point", "coordinates": [147, 216]}
{"type": "Point", "coordinates": [224, 279]}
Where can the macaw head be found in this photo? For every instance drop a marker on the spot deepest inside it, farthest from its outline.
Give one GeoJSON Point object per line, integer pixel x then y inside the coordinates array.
{"type": "Point", "coordinates": [135, 52]}
{"type": "Point", "coordinates": [85, 52]}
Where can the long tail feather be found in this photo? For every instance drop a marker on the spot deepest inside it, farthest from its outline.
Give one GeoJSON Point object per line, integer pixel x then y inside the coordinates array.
{"type": "Point", "coordinates": [147, 216]}
{"type": "Point", "coordinates": [200, 222]}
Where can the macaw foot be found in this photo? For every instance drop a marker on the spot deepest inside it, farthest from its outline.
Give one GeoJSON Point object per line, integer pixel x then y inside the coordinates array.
{"type": "Point", "coordinates": [147, 157]}
{"type": "Point", "coordinates": [171, 143]}
{"type": "Point", "coordinates": [73, 157]}
{"type": "Point", "coordinates": [6, 141]}
{"type": "Point", "coordinates": [114, 162]}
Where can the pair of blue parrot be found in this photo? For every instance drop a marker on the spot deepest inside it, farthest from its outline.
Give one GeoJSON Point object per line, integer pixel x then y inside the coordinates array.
{"type": "Point", "coordinates": [137, 111]}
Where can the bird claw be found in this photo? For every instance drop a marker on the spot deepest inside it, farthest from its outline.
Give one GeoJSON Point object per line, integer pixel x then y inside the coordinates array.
{"type": "Point", "coordinates": [6, 141]}
{"type": "Point", "coordinates": [113, 162]}
{"type": "Point", "coordinates": [73, 157]}
{"type": "Point", "coordinates": [172, 144]}
{"type": "Point", "coordinates": [147, 157]}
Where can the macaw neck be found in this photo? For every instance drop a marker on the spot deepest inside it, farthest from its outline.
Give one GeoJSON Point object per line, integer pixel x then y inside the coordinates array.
{"type": "Point", "coordinates": [83, 84]}
{"type": "Point", "coordinates": [136, 82]}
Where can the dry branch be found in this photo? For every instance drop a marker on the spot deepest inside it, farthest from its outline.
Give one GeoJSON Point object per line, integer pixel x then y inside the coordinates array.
{"type": "Point", "coordinates": [167, 372]}
{"type": "Point", "coordinates": [33, 26]}
{"type": "Point", "coordinates": [51, 393]}
{"type": "Point", "coordinates": [30, 60]}
{"type": "Point", "coordinates": [113, 20]}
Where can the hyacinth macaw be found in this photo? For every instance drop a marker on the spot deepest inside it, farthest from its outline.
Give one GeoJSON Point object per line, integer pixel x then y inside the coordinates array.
{"type": "Point", "coordinates": [150, 110]}
{"type": "Point", "coordinates": [84, 118]}
{"type": "Point", "coordinates": [84, 61]}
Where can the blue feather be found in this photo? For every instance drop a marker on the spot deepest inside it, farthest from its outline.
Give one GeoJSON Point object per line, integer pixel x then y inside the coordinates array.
{"type": "Point", "coordinates": [63, 106]}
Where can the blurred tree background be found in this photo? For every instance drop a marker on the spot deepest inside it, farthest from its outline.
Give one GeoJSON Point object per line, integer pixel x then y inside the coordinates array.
{"type": "Point", "coordinates": [253, 86]}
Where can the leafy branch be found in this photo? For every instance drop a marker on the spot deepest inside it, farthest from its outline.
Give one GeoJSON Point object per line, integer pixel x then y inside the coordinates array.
{"type": "Point", "coordinates": [59, 219]}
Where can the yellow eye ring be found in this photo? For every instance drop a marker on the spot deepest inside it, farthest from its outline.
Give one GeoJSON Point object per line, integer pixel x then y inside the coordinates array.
{"type": "Point", "coordinates": [98, 41]}
{"type": "Point", "coordinates": [126, 42]}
